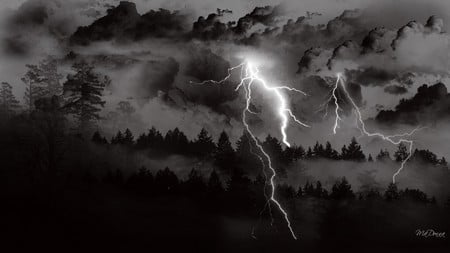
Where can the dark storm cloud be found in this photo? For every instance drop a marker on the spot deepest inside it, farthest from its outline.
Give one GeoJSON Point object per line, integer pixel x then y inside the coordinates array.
{"type": "Point", "coordinates": [395, 89]}
{"type": "Point", "coordinates": [306, 63]}
{"type": "Point", "coordinates": [371, 76]}
{"type": "Point", "coordinates": [433, 25]}
{"type": "Point", "coordinates": [124, 23]}
{"type": "Point", "coordinates": [158, 76]}
{"type": "Point", "coordinates": [376, 41]}
{"type": "Point", "coordinates": [206, 65]}
{"type": "Point", "coordinates": [347, 26]}
{"type": "Point", "coordinates": [212, 28]}
{"type": "Point", "coordinates": [429, 105]}
{"type": "Point", "coordinates": [15, 45]}
{"type": "Point", "coordinates": [31, 13]}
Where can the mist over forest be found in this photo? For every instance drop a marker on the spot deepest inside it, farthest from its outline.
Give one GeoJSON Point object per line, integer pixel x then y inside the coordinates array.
{"type": "Point", "coordinates": [225, 126]}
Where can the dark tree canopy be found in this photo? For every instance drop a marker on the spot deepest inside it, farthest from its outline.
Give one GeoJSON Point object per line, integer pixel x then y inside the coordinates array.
{"type": "Point", "coordinates": [8, 102]}
{"type": "Point", "coordinates": [83, 94]}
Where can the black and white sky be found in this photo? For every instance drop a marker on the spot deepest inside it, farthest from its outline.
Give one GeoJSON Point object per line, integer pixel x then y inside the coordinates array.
{"type": "Point", "coordinates": [152, 50]}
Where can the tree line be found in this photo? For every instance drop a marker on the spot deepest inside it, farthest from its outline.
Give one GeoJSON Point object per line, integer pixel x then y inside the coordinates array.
{"type": "Point", "coordinates": [225, 155]}
{"type": "Point", "coordinates": [239, 187]}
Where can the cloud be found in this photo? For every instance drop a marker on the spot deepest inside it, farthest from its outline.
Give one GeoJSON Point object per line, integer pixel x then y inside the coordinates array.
{"type": "Point", "coordinates": [123, 23]}
{"type": "Point", "coordinates": [395, 89]}
{"type": "Point", "coordinates": [158, 76]}
{"type": "Point", "coordinates": [429, 105]}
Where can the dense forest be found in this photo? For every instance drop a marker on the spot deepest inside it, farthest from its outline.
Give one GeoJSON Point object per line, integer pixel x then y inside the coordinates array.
{"type": "Point", "coordinates": [60, 180]}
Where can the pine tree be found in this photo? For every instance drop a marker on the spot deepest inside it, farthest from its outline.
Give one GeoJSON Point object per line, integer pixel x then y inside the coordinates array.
{"type": "Point", "coordinates": [383, 155]}
{"type": "Point", "coordinates": [225, 155]}
{"type": "Point", "coordinates": [98, 139]}
{"type": "Point", "coordinates": [342, 190]}
{"type": "Point", "coordinates": [204, 144]}
{"type": "Point", "coordinates": [8, 102]}
{"type": "Point", "coordinates": [177, 142]}
{"type": "Point", "coordinates": [329, 152]}
{"type": "Point", "coordinates": [118, 139]}
{"type": "Point", "coordinates": [353, 152]}
{"type": "Point", "coordinates": [370, 159]}
{"type": "Point", "coordinates": [42, 81]}
{"type": "Point", "coordinates": [392, 192]}
{"type": "Point", "coordinates": [166, 181]}
{"type": "Point", "coordinates": [83, 94]}
{"type": "Point", "coordinates": [128, 138]}
{"type": "Point", "coordinates": [443, 162]}
{"type": "Point", "coordinates": [246, 152]}
{"type": "Point", "coordinates": [35, 86]}
{"type": "Point", "coordinates": [308, 189]}
{"type": "Point", "coordinates": [318, 150]}
{"type": "Point", "coordinates": [299, 192]}
{"type": "Point", "coordinates": [214, 184]}
{"type": "Point", "coordinates": [402, 153]}
{"type": "Point", "coordinates": [273, 146]}
{"type": "Point", "coordinates": [48, 69]}
{"type": "Point", "coordinates": [195, 183]}
{"type": "Point", "coordinates": [309, 153]}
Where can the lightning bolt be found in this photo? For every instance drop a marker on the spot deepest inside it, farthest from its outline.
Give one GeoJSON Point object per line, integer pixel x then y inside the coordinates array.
{"type": "Point", "coordinates": [249, 76]}
{"type": "Point", "coordinates": [394, 139]}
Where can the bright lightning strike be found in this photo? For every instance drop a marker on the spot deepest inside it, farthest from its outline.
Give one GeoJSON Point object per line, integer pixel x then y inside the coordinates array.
{"type": "Point", "coordinates": [362, 127]}
{"type": "Point", "coordinates": [249, 75]}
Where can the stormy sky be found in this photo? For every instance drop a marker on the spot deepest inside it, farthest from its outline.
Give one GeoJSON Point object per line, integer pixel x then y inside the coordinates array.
{"type": "Point", "coordinates": [394, 55]}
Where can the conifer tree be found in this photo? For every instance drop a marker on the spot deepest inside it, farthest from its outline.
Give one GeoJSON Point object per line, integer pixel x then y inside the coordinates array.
{"type": "Point", "coordinates": [8, 102]}
{"type": "Point", "coordinates": [83, 94]}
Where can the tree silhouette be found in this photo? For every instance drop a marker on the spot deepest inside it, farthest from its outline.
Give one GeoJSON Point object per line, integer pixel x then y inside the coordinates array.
{"type": "Point", "coordinates": [443, 162]}
{"type": "Point", "coordinates": [309, 153]}
{"type": "Point", "coordinates": [370, 159]}
{"type": "Point", "coordinates": [318, 150]}
{"type": "Point", "coordinates": [329, 152]}
{"type": "Point", "coordinates": [342, 190]}
{"type": "Point", "coordinates": [273, 147]}
{"type": "Point", "coordinates": [353, 152]}
{"type": "Point", "coordinates": [83, 94]}
{"type": "Point", "coordinates": [35, 86]}
{"type": "Point", "coordinates": [128, 138]}
{"type": "Point", "coordinates": [285, 191]}
{"type": "Point", "coordinates": [42, 81]}
{"type": "Point", "coordinates": [299, 192]}
{"type": "Point", "coordinates": [118, 139]}
{"type": "Point", "coordinates": [425, 156]}
{"type": "Point", "coordinates": [98, 138]}
{"type": "Point", "coordinates": [414, 195]}
{"type": "Point", "coordinates": [225, 156]}
{"type": "Point", "coordinates": [402, 153]}
{"type": "Point", "coordinates": [383, 155]}
{"type": "Point", "coordinates": [204, 144]}
{"type": "Point", "coordinates": [292, 154]}
{"type": "Point", "coordinates": [308, 189]}
{"type": "Point", "coordinates": [176, 141]}
{"type": "Point", "coordinates": [153, 139]}
{"type": "Point", "coordinates": [246, 153]}
{"type": "Point", "coordinates": [214, 185]}
{"type": "Point", "coordinates": [8, 102]}
{"type": "Point", "coordinates": [48, 69]}
{"type": "Point", "coordinates": [319, 192]}
{"type": "Point", "coordinates": [142, 182]}
{"type": "Point", "coordinates": [391, 192]}
{"type": "Point", "coordinates": [195, 184]}
{"type": "Point", "coordinates": [238, 191]}
{"type": "Point", "coordinates": [166, 181]}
